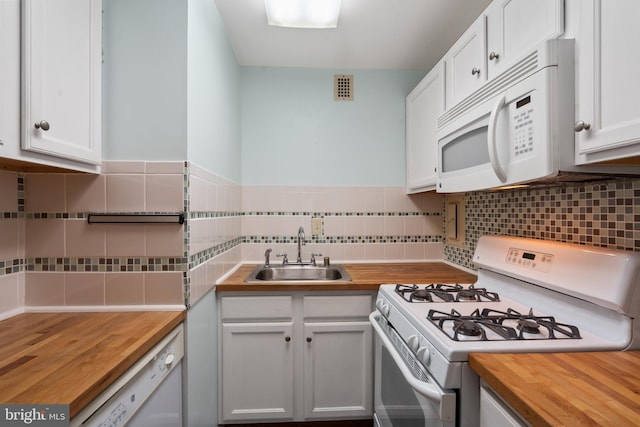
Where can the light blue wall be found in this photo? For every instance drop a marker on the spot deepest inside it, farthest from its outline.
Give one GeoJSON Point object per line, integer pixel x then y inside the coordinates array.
{"type": "Point", "coordinates": [294, 133]}
{"type": "Point", "coordinates": [144, 79]}
{"type": "Point", "coordinates": [171, 85]}
{"type": "Point", "coordinates": [213, 93]}
{"type": "Point", "coordinates": [173, 90]}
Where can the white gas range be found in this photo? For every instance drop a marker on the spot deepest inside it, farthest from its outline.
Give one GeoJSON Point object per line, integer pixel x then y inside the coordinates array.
{"type": "Point", "coordinates": [530, 296]}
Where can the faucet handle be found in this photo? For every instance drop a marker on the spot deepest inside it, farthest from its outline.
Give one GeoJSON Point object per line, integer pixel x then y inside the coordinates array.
{"type": "Point", "coordinates": [313, 258]}
{"type": "Point", "coordinates": [285, 260]}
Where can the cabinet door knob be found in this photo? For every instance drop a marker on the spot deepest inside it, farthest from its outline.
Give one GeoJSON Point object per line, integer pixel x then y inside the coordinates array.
{"type": "Point", "coordinates": [493, 56]}
{"type": "Point", "coordinates": [287, 339]}
{"type": "Point", "coordinates": [475, 71]}
{"type": "Point", "coordinates": [580, 126]}
{"type": "Point", "coordinates": [43, 124]}
{"type": "Point", "coordinates": [308, 339]}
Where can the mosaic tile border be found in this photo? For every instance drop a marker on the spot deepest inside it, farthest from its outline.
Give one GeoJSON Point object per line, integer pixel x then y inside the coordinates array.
{"type": "Point", "coordinates": [344, 239]}
{"type": "Point", "coordinates": [123, 264]}
{"type": "Point", "coordinates": [212, 215]}
{"type": "Point", "coordinates": [338, 214]}
{"type": "Point", "coordinates": [85, 215]}
{"type": "Point", "coordinates": [11, 266]}
{"type": "Point", "coordinates": [203, 256]}
{"type": "Point", "coordinates": [20, 183]}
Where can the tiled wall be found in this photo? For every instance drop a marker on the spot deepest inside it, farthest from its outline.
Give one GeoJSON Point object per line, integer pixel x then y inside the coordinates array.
{"type": "Point", "coordinates": [605, 214]}
{"type": "Point", "coordinates": [11, 242]}
{"type": "Point", "coordinates": [70, 262]}
{"type": "Point", "coordinates": [50, 256]}
{"type": "Point", "coordinates": [214, 229]}
{"type": "Point", "coordinates": [359, 223]}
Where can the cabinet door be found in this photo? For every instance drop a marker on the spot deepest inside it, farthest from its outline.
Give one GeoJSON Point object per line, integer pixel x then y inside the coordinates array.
{"type": "Point", "coordinates": [9, 75]}
{"type": "Point", "coordinates": [338, 370]}
{"type": "Point", "coordinates": [423, 106]}
{"type": "Point", "coordinates": [515, 27]}
{"type": "Point", "coordinates": [495, 413]}
{"type": "Point", "coordinates": [61, 78]}
{"type": "Point", "coordinates": [466, 63]}
{"type": "Point", "coordinates": [257, 371]}
{"type": "Point", "coordinates": [607, 72]}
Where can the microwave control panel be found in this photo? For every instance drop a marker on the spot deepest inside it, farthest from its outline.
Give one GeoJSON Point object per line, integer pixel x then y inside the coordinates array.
{"type": "Point", "coordinates": [523, 127]}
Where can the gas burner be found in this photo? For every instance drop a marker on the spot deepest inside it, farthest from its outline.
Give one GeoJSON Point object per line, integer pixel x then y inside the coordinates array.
{"type": "Point", "coordinates": [542, 326]}
{"type": "Point", "coordinates": [528, 326]}
{"type": "Point", "coordinates": [421, 295]}
{"type": "Point", "coordinates": [444, 293]}
{"type": "Point", "coordinates": [472, 327]}
{"type": "Point", "coordinates": [467, 327]}
{"type": "Point", "coordinates": [495, 325]}
{"type": "Point", "coordinates": [466, 295]}
{"type": "Point", "coordinates": [476, 294]}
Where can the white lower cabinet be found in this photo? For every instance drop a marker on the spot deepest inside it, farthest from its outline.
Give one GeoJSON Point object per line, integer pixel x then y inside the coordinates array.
{"type": "Point", "coordinates": [295, 357]}
{"type": "Point", "coordinates": [494, 412]}
{"type": "Point", "coordinates": [337, 369]}
{"type": "Point", "coordinates": [258, 371]}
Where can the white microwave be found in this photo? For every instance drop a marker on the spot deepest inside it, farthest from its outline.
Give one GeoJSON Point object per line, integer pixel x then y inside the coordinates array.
{"type": "Point", "coordinates": [516, 128]}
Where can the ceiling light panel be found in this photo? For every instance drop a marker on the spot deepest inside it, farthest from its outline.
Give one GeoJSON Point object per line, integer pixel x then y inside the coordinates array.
{"type": "Point", "coordinates": [303, 13]}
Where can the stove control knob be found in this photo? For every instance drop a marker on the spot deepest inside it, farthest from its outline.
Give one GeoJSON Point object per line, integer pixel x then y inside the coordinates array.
{"type": "Point", "coordinates": [383, 307]}
{"type": "Point", "coordinates": [413, 343]}
{"type": "Point", "coordinates": [423, 355]}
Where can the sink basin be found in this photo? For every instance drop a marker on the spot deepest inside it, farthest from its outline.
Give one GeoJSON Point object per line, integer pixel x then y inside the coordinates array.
{"type": "Point", "coordinates": [299, 273]}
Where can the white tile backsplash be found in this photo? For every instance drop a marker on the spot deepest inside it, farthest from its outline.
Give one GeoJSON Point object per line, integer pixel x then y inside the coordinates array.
{"type": "Point", "coordinates": [359, 224]}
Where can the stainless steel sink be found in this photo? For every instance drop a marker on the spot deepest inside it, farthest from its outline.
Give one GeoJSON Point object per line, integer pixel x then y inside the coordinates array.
{"type": "Point", "coordinates": [299, 273]}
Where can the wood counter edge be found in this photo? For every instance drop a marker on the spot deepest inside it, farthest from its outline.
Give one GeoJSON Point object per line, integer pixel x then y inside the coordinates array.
{"type": "Point", "coordinates": [109, 378]}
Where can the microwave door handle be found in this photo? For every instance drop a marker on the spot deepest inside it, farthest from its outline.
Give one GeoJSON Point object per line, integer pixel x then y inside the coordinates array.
{"type": "Point", "coordinates": [492, 141]}
{"type": "Point", "coordinates": [427, 390]}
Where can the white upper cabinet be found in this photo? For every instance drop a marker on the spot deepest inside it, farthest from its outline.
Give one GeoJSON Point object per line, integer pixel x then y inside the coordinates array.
{"type": "Point", "coordinates": [466, 63]}
{"type": "Point", "coordinates": [423, 106]}
{"type": "Point", "coordinates": [608, 68]}
{"type": "Point", "coordinates": [515, 27]}
{"type": "Point", "coordinates": [507, 30]}
{"type": "Point", "coordinates": [61, 78]}
{"type": "Point", "coordinates": [9, 76]}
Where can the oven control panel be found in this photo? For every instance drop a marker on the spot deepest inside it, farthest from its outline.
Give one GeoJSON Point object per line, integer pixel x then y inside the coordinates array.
{"type": "Point", "coordinates": [529, 259]}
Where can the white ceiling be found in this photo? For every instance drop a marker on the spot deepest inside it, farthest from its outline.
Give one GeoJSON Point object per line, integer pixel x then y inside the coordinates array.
{"type": "Point", "coordinates": [371, 34]}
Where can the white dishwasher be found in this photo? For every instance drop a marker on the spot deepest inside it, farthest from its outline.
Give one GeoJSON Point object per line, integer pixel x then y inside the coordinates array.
{"type": "Point", "coordinates": [147, 394]}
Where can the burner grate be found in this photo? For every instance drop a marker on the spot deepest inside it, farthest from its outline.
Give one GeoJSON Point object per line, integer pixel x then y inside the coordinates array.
{"type": "Point", "coordinates": [445, 293]}
{"type": "Point", "coordinates": [496, 325]}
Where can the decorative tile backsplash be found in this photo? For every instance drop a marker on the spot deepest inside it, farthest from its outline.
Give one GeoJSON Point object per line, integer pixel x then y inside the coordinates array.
{"type": "Point", "coordinates": [358, 223]}
{"type": "Point", "coordinates": [51, 256]}
{"type": "Point", "coordinates": [605, 214]}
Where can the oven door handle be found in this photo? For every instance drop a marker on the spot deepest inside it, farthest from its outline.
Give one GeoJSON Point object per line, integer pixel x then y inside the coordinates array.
{"type": "Point", "coordinates": [428, 390]}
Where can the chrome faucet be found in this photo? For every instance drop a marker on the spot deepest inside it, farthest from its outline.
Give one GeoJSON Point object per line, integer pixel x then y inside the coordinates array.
{"type": "Point", "coordinates": [266, 257]}
{"type": "Point", "coordinates": [300, 243]}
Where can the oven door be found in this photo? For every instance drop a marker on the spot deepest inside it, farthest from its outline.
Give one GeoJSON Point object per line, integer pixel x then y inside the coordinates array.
{"type": "Point", "coordinates": [405, 394]}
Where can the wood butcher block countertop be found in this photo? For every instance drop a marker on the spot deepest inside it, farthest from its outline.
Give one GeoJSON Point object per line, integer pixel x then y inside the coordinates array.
{"type": "Point", "coordinates": [70, 358]}
{"type": "Point", "coordinates": [364, 277]}
{"type": "Point", "coordinates": [566, 389]}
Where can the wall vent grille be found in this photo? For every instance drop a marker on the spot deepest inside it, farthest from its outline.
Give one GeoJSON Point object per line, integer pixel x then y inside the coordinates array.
{"type": "Point", "coordinates": [343, 87]}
